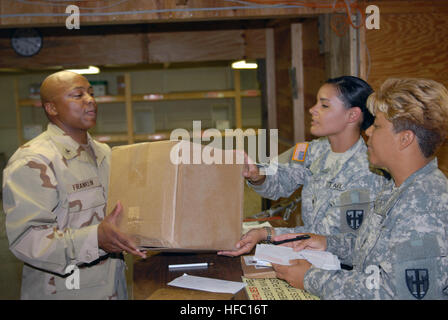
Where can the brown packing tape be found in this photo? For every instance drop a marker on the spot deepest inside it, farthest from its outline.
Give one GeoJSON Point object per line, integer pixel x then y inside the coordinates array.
{"type": "Point", "coordinates": [158, 182]}
{"type": "Point", "coordinates": [168, 221]}
{"type": "Point", "coordinates": [138, 171]}
{"type": "Point", "coordinates": [133, 220]}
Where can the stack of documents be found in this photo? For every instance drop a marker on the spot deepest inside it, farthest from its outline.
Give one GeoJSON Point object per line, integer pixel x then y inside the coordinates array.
{"type": "Point", "coordinates": [282, 255]}
{"type": "Point", "coordinates": [207, 284]}
{"type": "Point", "coordinates": [257, 263]}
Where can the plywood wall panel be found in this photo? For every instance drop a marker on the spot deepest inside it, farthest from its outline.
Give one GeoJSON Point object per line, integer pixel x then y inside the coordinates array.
{"type": "Point", "coordinates": [77, 51]}
{"type": "Point", "coordinates": [285, 119]}
{"type": "Point", "coordinates": [135, 46]}
{"type": "Point", "coordinates": [409, 45]}
{"type": "Point", "coordinates": [313, 69]}
{"type": "Point", "coordinates": [206, 45]}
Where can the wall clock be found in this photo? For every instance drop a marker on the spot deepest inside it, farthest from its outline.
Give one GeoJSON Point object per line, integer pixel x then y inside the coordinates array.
{"type": "Point", "coordinates": [26, 41]}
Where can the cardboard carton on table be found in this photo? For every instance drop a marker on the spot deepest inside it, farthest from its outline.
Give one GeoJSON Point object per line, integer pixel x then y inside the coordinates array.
{"type": "Point", "coordinates": [176, 207]}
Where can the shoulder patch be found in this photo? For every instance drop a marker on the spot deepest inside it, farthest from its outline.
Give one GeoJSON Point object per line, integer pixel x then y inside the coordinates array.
{"type": "Point", "coordinates": [300, 150]}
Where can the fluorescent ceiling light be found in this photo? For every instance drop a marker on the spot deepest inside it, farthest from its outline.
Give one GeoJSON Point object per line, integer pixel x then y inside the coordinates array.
{"type": "Point", "coordinates": [90, 70]}
{"type": "Point", "coordinates": [242, 64]}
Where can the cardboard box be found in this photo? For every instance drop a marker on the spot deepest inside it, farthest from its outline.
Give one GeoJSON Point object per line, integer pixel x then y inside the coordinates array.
{"type": "Point", "coordinates": [175, 207]}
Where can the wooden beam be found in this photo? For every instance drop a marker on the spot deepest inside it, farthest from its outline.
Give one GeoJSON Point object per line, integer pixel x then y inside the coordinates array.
{"type": "Point", "coordinates": [14, 13]}
{"type": "Point", "coordinates": [206, 45]}
{"type": "Point", "coordinates": [128, 105]}
{"type": "Point", "coordinates": [270, 79]}
{"type": "Point", "coordinates": [237, 89]}
{"type": "Point", "coordinates": [285, 117]}
{"type": "Point", "coordinates": [189, 95]}
{"type": "Point", "coordinates": [18, 113]}
{"type": "Point", "coordinates": [353, 49]}
{"type": "Point", "coordinates": [297, 65]}
{"type": "Point", "coordinates": [363, 56]}
{"type": "Point", "coordinates": [338, 46]}
{"type": "Point", "coordinates": [135, 46]}
{"type": "Point", "coordinates": [314, 74]}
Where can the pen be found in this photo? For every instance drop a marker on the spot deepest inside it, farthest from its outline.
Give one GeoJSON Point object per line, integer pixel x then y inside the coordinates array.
{"type": "Point", "coordinates": [190, 265]}
{"type": "Point", "coordinates": [304, 237]}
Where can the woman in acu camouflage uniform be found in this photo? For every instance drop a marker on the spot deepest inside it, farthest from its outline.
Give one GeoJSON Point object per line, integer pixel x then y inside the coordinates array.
{"type": "Point", "coordinates": [338, 184]}
{"type": "Point", "coordinates": [401, 251]}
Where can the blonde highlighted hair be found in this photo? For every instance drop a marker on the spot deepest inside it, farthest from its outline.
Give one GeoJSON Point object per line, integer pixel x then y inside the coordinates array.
{"type": "Point", "coordinates": [419, 105]}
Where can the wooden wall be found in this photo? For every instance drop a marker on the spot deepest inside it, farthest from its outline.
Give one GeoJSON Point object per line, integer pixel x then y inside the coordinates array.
{"type": "Point", "coordinates": [134, 45]}
{"type": "Point", "coordinates": [285, 119]}
{"type": "Point", "coordinates": [411, 42]}
{"type": "Point", "coordinates": [314, 69]}
{"type": "Point", "coordinates": [46, 13]}
{"type": "Point", "coordinates": [409, 45]}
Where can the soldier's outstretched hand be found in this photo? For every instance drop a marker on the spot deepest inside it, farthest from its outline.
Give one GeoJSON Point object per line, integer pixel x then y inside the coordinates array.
{"type": "Point", "coordinates": [251, 172]}
{"type": "Point", "coordinates": [110, 239]}
{"type": "Point", "coordinates": [246, 244]}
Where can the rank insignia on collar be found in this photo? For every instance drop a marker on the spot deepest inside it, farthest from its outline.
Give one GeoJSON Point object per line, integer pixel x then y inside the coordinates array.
{"type": "Point", "coordinates": [354, 218]}
{"type": "Point", "coordinates": [417, 281]}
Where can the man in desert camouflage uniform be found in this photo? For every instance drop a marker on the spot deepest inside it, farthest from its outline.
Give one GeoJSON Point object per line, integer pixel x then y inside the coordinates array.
{"type": "Point", "coordinates": [55, 190]}
{"type": "Point", "coordinates": [401, 251]}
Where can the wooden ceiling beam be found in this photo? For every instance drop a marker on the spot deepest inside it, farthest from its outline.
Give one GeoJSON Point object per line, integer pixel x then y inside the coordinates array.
{"type": "Point", "coordinates": [70, 49]}
{"type": "Point", "coordinates": [14, 13]}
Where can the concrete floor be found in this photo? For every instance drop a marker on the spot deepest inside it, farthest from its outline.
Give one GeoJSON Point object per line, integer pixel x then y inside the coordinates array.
{"type": "Point", "coordinates": [11, 267]}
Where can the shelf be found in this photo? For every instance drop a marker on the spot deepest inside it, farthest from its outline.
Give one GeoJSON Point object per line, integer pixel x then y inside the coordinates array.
{"type": "Point", "coordinates": [102, 99]}
{"type": "Point", "coordinates": [123, 137]}
{"type": "Point", "coordinates": [128, 99]}
{"type": "Point", "coordinates": [192, 95]}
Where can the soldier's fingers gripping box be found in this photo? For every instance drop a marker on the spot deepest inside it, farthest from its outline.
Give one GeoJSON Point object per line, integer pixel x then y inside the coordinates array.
{"type": "Point", "coordinates": [172, 200]}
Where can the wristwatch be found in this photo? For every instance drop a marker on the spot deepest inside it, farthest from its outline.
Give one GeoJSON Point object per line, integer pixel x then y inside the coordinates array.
{"type": "Point", "coordinates": [269, 234]}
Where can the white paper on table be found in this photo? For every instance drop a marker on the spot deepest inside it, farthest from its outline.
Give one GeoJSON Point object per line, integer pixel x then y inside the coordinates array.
{"type": "Point", "coordinates": [281, 255]}
{"type": "Point", "coordinates": [207, 284]}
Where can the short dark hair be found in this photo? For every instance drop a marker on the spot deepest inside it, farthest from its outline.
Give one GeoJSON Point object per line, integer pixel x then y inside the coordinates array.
{"type": "Point", "coordinates": [354, 93]}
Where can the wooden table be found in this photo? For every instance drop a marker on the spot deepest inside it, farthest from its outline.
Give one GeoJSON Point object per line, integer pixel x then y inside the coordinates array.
{"type": "Point", "coordinates": [151, 275]}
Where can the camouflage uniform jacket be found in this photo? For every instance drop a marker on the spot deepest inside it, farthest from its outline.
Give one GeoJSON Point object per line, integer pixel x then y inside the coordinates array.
{"type": "Point", "coordinates": [54, 198]}
{"type": "Point", "coordinates": [401, 249]}
{"type": "Point", "coordinates": [334, 199]}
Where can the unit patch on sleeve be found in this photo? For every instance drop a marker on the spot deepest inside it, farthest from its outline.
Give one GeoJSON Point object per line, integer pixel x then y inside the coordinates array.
{"type": "Point", "coordinates": [300, 152]}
